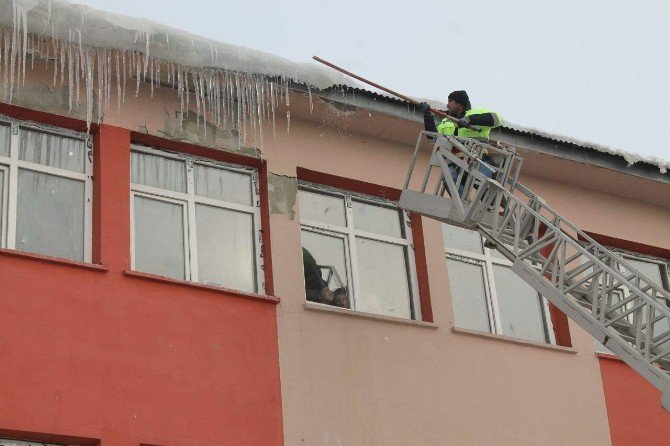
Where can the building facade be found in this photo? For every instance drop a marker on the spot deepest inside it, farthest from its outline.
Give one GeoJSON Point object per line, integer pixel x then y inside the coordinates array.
{"type": "Point", "coordinates": [156, 284]}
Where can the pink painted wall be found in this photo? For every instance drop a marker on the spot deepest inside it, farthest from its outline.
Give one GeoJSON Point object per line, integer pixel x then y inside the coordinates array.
{"type": "Point", "coordinates": [358, 380]}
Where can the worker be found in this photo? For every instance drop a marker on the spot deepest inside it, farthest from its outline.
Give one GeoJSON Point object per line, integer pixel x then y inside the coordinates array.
{"type": "Point", "coordinates": [458, 106]}
{"type": "Point", "coordinates": [315, 287]}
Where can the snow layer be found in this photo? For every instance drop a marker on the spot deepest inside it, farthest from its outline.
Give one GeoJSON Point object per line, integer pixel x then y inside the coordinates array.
{"type": "Point", "coordinates": [631, 158]}
{"type": "Point", "coordinates": [60, 19]}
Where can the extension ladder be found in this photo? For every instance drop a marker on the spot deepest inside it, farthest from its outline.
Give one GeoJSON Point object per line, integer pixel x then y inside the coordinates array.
{"type": "Point", "coordinates": [593, 286]}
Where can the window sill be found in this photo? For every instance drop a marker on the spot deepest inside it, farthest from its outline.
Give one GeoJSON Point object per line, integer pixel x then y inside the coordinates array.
{"type": "Point", "coordinates": [511, 340]}
{"type": "Point", "coordinates": [200, 286]}
{"type": "Point", "coordinates": [54, 260]}
{"type": "Point", "coordinates": [312, 306]}
{"type": "Point", "coordinates": [609, 356]}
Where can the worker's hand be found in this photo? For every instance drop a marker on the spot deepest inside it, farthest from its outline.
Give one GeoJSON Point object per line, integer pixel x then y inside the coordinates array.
{"type": "Point", "coordinates": [424, 107]}
{"type": "Point", "coordinates": [463, 122]}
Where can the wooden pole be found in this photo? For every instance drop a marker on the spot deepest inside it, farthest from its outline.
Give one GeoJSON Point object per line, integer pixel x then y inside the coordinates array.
{"type": "Point", "coordinates": [389, 91]}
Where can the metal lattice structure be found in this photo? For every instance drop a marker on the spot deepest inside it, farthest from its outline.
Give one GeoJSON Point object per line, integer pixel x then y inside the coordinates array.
{"type": "Point", "coordinates": [593, 286]}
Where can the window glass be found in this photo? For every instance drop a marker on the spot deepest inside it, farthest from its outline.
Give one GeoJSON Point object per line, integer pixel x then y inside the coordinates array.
{"type": "Point", "coordinates": [225, 248]}
{"type": "Point", "coordinates": [52, 150]}
{"type": "Point", "coordinates": [520, 307]}
{"type": "Point", "coordinates": [468, 295]}
{"type": "Point", "coordinates": [462, 239]}
{"type": "Point", "coordinates": [222, 184]}
{"type": "Point", "coordinates": [377, 219]}
{"type": "Point", "coordinates": [158, 171]}
{"type": "Point", "coordinates": [654, 272]}
{"type": "Point", "coordinates": [159, 237]}
{"type": "Point", "coordinates": [50, 215]}
{"type": "Point", "coordinates": [383, 278]}
{"type": "Point", "coordinates": [650, 270]}
{"type": "Point", "coordinates": [322, 208]}
{"type": "Point", "coordinates": [196, 204]}
{"type": "Point", "coordinates": [5, 131]}
{"type": "Point", "coordinates": [325, 270]}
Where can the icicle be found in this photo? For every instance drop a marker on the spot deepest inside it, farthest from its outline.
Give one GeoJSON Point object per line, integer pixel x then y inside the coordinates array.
{"type": "Point", "coordinates": [227, 99]}
{"type": "Point", "coordinates": [260, 102]}
{"type": "Point", "coordinates": [6, 56]}
{"type": "Point", "coordinates": [13, 55]}
{"type": "Point", "coordinates": [123, 70]}
{"type": "Point", "coordinates": [288, 99]}
{"type": "Point", "coordinates": [180, 93]}
{"type": "Point", "coordinates": [108, 90]}
{"type": "Point", "coordinates": [196, 89]}
{"type": "Point", "coordinates": [138, 68]}
{"type": "Point", "coordinates": [288, 121]}
{"type": "Point", "coordinates": [311, 103]}
{"type": "Point", "coordinates": [187, 89]}
{"type": "Point", "coordinates": [151, 78]}
{"type": "Point", "coordinates": [88, 64]}
{"type": "Point", "coordinates": [31, 45]}
{"type": "Point", "coordinates": [272, 107]}
{"type": "Point", "coordinates": [70, 72]}
{"type": "Point", "coordinates": [118, 83]}
{"type": "Point", "coordinates": [24, 23]}
{"type": "Point", "coordinates": [147, 37]}
{"type": "Point", "coordinates": [101, 73]}
{"type": "Point", "coordinates": [77, 73]}
{"type": "Point", "coordinates": [63, 53]}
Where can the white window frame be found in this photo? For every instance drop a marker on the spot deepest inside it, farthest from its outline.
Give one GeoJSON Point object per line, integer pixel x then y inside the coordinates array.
{"type": "Point", "coordinates": [189, 200]}
{"type": "Point", "coordinates": [350, 233]}
{"type": "Point", "coordinates": [11, 165]}
{"type": "Point", "coordinates": [486, 262]}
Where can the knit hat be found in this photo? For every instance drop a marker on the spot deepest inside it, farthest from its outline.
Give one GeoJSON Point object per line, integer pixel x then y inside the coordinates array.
{"type": "Point", "coordinates": [460, 97]}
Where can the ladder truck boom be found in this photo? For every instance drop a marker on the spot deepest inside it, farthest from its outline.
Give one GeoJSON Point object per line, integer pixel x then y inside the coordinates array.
{"type": "Point", "coordinates": [593, 286]}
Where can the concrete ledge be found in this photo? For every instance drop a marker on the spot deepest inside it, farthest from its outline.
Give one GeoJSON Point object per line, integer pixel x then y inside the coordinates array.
{"type": "Point", "coordinates": [54, 260]}
{"type": "Point", "coordinates": [200, 286]}
{"type": "Point", "coordinates": [608, 356]}
{"type": "Point", "coordinates": [511, 340]}
{"type": "Point", "coordinates": [311, 306]}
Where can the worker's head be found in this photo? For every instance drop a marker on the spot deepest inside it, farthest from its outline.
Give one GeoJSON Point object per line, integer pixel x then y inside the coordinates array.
{"type": "Point", "coordinates": [458, 103]}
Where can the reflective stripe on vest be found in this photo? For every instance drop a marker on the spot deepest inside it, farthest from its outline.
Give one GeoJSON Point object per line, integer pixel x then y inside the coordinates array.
{"type": "Point", "coordinates": [446, 127]}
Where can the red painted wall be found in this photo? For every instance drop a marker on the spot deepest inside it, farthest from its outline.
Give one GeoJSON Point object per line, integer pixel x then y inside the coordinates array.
{"type": "Point", "coordinates": [98, 353]}
{"type": "Point", "coordinates": [633, 407]}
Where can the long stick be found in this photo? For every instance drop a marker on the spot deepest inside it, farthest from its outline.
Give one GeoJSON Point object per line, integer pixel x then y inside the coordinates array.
{"type": "Point", "coordinates": [389, 91]}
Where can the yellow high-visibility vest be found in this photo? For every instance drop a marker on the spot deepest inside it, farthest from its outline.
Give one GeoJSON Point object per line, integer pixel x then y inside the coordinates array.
{"type": "Point", "coordinates": [448, 128]}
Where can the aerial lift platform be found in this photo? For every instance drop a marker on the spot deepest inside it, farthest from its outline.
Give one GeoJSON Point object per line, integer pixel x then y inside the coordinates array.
{"type": "Point", "coordinates": [593, 286]}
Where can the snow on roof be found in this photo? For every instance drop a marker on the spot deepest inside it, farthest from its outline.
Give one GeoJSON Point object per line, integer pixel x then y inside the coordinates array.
{"type": "Point", "coordinates": [631, 158]}
{"type": "Point", "coordinates": [61, 19]}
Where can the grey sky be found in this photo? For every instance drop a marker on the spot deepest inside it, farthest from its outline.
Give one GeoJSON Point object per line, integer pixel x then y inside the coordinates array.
{"type": "Point", "coordinates": [590, 69]}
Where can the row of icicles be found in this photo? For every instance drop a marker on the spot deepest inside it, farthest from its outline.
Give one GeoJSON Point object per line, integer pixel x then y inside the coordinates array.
{"type": "Point", "coordinates": [226, 99]}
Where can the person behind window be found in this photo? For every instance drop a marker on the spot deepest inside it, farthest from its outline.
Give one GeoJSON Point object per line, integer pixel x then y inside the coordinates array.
{"type": "Point", "coordinates": [316, 289]}
{"type": "Point", "coordinates": [340, 298]}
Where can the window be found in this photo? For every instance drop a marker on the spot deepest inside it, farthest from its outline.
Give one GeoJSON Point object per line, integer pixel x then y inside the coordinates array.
{"type": "Point", "coordinates": [195, 219]}
{"type": "Point", "coordinates": [487, 295]}
{"type": "Point", "coordinates": [45, 190]}
{"type": "Point", "coordinates": [357, 253]}
{"type": "Point", "coordinates": [653, 269]}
